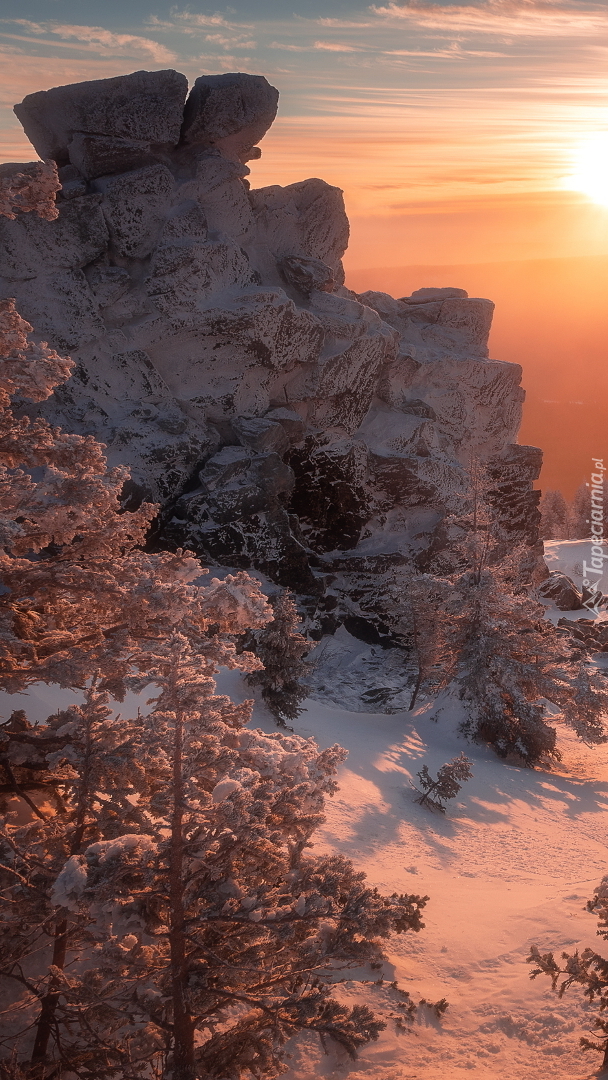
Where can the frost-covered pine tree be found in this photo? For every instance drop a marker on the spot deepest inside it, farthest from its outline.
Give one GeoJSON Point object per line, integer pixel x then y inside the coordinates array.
{"type": "Point", "coordinates": [514, 673]}
{"type": "Point", "coordinates": [512, 668]}
{"type": "Point", "coordinates": [555, 516]}
{"type": "Point", "coordinates": [281, 649]}
{"type": "Point", "coordinates": [194, 933]}
{"type": "Point", "coordinates": [588, 970]}
{"type": "Point", "coordinates": [222, 933]}
{"type": "Point", "coordinates": [447, 783]}
{"type": "Point", "coordinates": [417, 613]}
{"type": "Point", "coordinates": [78, 589]}
{"type": "Point", "coordinates": [580, 513]}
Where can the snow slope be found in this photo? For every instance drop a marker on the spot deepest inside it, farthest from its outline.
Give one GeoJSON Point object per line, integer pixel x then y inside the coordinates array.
{"type": "Point", "coordinates": [512, 863]}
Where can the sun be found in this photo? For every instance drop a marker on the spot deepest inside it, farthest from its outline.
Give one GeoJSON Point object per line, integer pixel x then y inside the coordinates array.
{"type": "Point", "coordinates": [590, 174]}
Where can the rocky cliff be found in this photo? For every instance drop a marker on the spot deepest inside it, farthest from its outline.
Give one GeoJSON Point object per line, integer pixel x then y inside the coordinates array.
{"type": "Point", "coordinates": [283, 422]}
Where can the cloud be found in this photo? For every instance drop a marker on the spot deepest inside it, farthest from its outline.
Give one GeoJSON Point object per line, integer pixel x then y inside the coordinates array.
{"type": "Point", "coordinates": [229, 43]}
{"type": "Point", "coordinates": [123, 43]}
{"type": "Point", "coordinates": [94, 39]}
{"type": "Point", "coordinates": [521, 18]}
{"type": "Point", "coordinates": [289, 48]}
{"type": "Point", "coordinates": [335, 46]}
{"type": "Point", "coordinates": [343, 24]}
{"type": "Point", "coordinates": [36, 28]}
{"type": "Point", "coordinates": [187, 22]}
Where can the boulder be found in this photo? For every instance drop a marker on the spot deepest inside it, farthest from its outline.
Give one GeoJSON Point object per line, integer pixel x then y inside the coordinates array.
{"type": "Point", "coordinates": [183, 275]}
{"type": "Point", "coordinates": [596, 597]}
{"type": "Point", "coordinates": [146, 106]}
{"type": "Point", "coordinates": [304, 219]}
{"type": "Point", "coordinates": [417, 407]}
{"type": "Point", "coordinates": [60, 304]}
{"type": "Point", "coordinates": [231, 111]}
{"type": "Point", "coordinates": [222, 193]}
{"type": "Point", "coordinates": [425, 296]}
{"type": "Point", "coordinates": [562, 591]}
{"type": "Point", "coordinates": [292, 423]}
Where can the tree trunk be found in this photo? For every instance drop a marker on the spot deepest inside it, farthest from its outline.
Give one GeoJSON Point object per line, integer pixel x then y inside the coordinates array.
{"type": "Point", "coordinates": [416, 689]}
{"type": "Point", "coordinates": [418, 683]}
{"type": "Point", "coordinates": [46, 1020]}
{"type": "Point", "coordinates": [183, 1027]}
{"type": "Point", "coordinates": [48, 1006]}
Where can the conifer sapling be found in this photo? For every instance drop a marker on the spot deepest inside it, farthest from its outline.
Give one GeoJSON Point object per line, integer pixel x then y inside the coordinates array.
{"type": "Point", "coordinates": [435, 793]}
{"type": "Point", "coordinates": [281, 649]}
{"type": "Point", "coordinates": [588, 970]}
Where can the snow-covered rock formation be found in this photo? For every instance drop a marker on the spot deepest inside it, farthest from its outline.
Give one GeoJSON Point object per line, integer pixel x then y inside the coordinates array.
{"type": "Point", "coordinates": [282, 421]}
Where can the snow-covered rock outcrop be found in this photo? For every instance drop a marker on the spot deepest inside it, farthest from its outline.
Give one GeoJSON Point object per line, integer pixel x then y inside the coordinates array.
{"type": "Point", "coordinates": [282, 421]}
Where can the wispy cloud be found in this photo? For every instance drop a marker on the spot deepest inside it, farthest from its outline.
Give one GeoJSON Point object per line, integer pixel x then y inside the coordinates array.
{"type": "Point", "coordinates": [188, 22]}
{"type": "Point", "coordinates": [336, 46]}
{"type": "Point", "coordinates": [343, 24]}
{"type": "Point", "coordinates": [522, 18]}
{"type": "Point", "coordinates": [288, 47]}
{"type": "Point", "coordinates": [229, 43]}
{"type": "Point", "coordinates": [92, 38]}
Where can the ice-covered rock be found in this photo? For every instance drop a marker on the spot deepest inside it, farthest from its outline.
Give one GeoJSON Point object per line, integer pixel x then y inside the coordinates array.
{"type": "Point", "coordinates": [283, 422]}
{"type": "Point", "coordinates": [232, 112]}
{"type": "Point", "coordinates": [144, 109]}
{"type": "Point", "coordinates": [562, 591]}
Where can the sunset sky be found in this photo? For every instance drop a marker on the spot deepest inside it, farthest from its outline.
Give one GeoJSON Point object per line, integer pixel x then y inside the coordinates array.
{"type": "Point", "coordinates": [462, 134]}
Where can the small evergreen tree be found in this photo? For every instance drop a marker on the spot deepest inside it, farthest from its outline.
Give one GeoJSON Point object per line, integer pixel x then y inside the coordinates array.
{"type": "Point", "coordinates": [511, 664]}
{"type": "Point", "coordinates": [417, 614]}
{"type": "Point", "coordinates": [588, 970]}
{"type": "Point", "coordinates": [509, 661]}
{"type": "Point", "coordinates": [281, 649]}
{"type": "Point", "coordinates": [474, 529]}
{"type": "Point", "coordinates": [446, 786]}
{"type": "Point", "coordinates": [580, 513]}
{"type": "Point", "coordinates": [581, 517]}
{"type": "Point", "coordinates": [555, 516]}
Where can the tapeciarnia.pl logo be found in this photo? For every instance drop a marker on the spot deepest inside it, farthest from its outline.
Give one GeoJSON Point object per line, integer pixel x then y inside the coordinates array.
{"type": "Point", "coordinates": [596, 566]}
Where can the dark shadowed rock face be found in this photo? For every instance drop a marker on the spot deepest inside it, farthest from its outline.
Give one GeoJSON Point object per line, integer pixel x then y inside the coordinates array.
{"type": "Point", "coordinates": [283, 422]}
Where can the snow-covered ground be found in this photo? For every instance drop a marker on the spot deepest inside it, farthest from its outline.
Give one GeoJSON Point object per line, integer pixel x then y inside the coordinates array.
{"type": "Point", "coordinates": [512, 863]}
{"type": "Point", "coordinates": [568, 556]}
